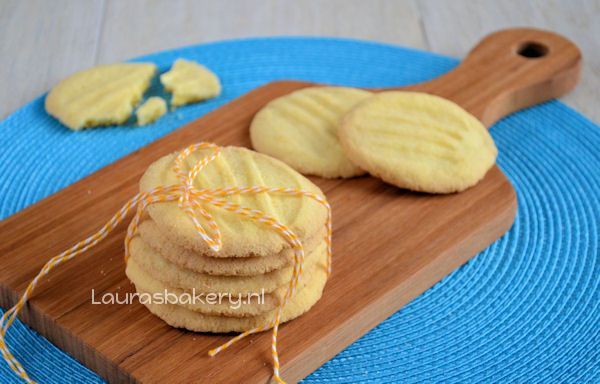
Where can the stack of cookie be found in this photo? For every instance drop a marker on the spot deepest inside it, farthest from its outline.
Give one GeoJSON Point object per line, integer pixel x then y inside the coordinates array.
{"type": "Point", "coordinates": [191, 286]}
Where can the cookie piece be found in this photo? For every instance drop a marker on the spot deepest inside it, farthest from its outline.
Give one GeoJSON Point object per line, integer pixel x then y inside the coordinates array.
{"type": "Point", "coordinates": [241, 237]}
{"type": "Point", "coordinates": [190, 82]}
{"type": "Point", "coordinates": [418, 141]}
{"type": "Point", "coordinates": [181, 317]}
{"type": "Point", "coordinates": [102, 95]}
{"type": "Point", "coordinates": [163, 270]}
{"type": "Point", "coordinates": [219, 266]}
{"type": "Point", "coordinates": [301, 130]}
{"type": "Point", "coordinates": [151, 110]}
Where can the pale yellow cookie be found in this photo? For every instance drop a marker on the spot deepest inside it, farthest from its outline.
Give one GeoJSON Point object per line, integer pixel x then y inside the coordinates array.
{"type": "Point", "coordinates": [181, 317]}
{"type": "Point", "coordinates": [418, 141]}
{"type": "Point", "coordinates": [151, 110]}
{"type": "Point", "coordinates": [163, 270]}
{"type": "Point", "coordinates": [301, 130]}
{"type": "Point", "coordinates": [190, 82]}
{"type": "Point", "coordinates": [241, 237]}
{"type": "Point", "coordinates": [219, 266]}
{"type": "Point", "coordinates": [221, 303]}
{"type": "Point", "coordinates": [101, 95]}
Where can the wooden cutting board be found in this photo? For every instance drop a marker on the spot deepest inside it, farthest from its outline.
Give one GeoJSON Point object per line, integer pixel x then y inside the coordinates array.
{"type": "Point", "coordinates": [390, 245]}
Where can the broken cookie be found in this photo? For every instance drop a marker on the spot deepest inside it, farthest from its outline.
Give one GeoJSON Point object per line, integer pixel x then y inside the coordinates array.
{"type": "Point", "coordinates": [190, 82]}
{"type": "Point", "coordinates": [102, 95]}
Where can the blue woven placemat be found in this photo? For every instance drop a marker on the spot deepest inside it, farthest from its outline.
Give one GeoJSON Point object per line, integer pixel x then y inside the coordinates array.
{"type": "Point", "coordinates": [527, 309]}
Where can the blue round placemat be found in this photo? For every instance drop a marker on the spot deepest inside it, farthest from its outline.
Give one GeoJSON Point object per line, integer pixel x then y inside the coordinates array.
{"type": "Point", "coordinates": [527, 309]}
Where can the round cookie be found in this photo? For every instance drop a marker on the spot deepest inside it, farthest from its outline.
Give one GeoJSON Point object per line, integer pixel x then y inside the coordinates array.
{"type": "Point", "coordinates": [220, 266]}
{"type": "Point", "coordinates": [418, 141]}
{"type": "Point", "coordinates": [181, 317]}
{"type": "Point", "coordinates": [241, 237]}
{"type": "Point", "coordinates": [163, 270]}
{"type": "Point", "coordinates": [301, 130]}
{"type": "Point", "coordinates": [102, 95]}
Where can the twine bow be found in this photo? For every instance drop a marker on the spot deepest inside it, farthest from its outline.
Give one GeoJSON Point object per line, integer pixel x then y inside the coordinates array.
{"type": "Point", "coordinates": [192, 201]}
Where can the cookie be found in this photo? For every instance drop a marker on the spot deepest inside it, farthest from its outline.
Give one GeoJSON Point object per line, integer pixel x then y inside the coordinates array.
{"type": "Point", "coordinates": [102, 95]}
{"type": "Point", "coordinates": [233, 305]}
{"type": "Point", "coordinates": [181, 317]}
{"type": "Point", "coordinates": [190, 82]}
{"type": "Point", "coordinates": [163, 270]}
{"type": "Point", "coordinates": [241, 237]}
{"type": "Point", "coordinates": [151, 110]}
{"type": "Point", "coordinates": [301, 130]}
{"type": "Point", "coordinates": [219, 266]}
{"type": "Point", "coordinates": [418, 141]}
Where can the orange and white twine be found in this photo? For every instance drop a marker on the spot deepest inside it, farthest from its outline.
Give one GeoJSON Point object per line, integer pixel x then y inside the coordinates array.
{"type": "Point", "coordinates": [192, 201]}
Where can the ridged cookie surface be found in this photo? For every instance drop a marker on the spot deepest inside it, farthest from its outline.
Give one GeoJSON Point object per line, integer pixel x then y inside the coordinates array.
{"type": "Point", "coordinates": [418, 141]}
{"type": "Point", "coordinates": [101, 95]}
{"type": "Point", "coordinates": [220, 266]}
{"type": "Point", "coordinates": [301, 130]}
{"type": "Point", "coordinates": [241, 237]}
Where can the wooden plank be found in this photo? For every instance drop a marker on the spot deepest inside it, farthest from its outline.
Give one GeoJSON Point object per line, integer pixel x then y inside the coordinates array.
{"type": "Point", "coordinates": [193, 22]}
{"type": "Point", "coordinates": [411, 240]}
{"type": "Point", "coordinates": [42, 43]}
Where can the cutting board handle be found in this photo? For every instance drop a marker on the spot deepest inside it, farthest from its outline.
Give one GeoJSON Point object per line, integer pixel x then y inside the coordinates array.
{"type": "Point", "coordinates": [509, 70]}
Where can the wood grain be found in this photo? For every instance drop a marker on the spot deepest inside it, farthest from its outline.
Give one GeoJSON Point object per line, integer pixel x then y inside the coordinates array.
{"type": "Point", "coordinates": [47, 40]}
{"type": "Point", "coordinates": [44, 42]}
{"type": "Point", "coordinates": [193, 22]}
{"type": "Point", "coordinates": [389, 244]}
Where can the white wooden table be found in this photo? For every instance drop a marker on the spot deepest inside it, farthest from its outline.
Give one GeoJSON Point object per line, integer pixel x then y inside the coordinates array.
{"type": "Point", "coordinates": [42, 41]}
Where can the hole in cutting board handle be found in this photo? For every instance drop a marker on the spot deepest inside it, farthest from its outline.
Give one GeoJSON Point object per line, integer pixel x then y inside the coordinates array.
{"type": "Point", "coordinates": [532, 50]}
